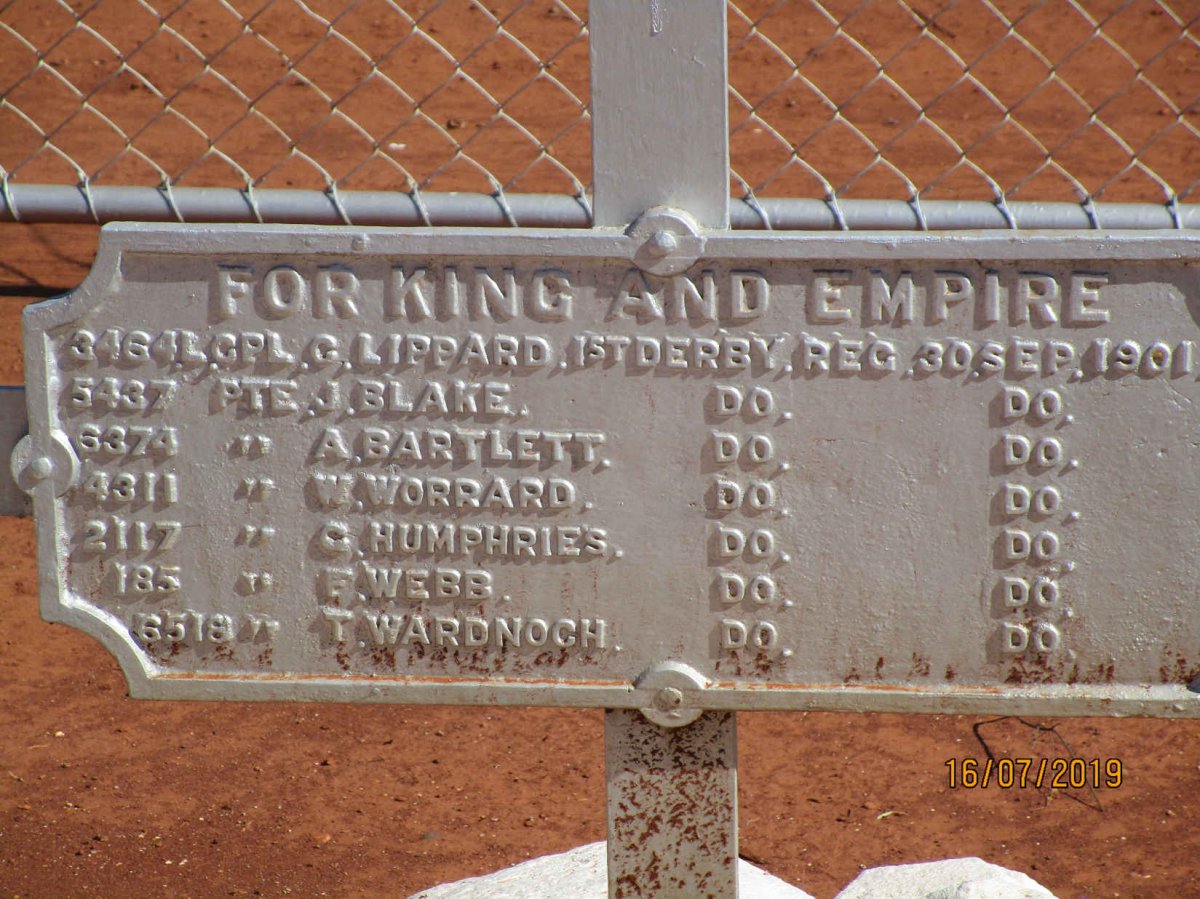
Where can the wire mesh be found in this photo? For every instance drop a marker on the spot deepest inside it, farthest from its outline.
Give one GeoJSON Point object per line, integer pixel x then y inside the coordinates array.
{"type": "Point", "coordinates": [994, 100]}
{"type": "Point", "coordinates": [832, 104]}
{"type": "Point", "coordinates": [328, 95]}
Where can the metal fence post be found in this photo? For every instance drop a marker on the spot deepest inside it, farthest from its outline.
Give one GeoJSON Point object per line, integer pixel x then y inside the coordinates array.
{"type": "Point", "coordinates": [672, 806]}
{"type": "Point", "coordinates": [660, 138]}
{"type": "Point", "coordinates": [14, 424]}
{"type": "Point", "coordinates": [660, 133]}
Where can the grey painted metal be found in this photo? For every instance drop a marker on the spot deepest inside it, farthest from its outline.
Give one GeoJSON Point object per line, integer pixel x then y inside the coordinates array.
{"type": "Point", "coordinates": [660, 145]}
{"type": "Point", "coordinates": [660, 132]}
{"type": "Point", "coordinates": [13, 426]}
{"type": "Point", "coordinates": [671, 682]}
{"type": "Point", "coordinates": [789, 214]}
{"type": "Point", "coordinates": [63, 203]}
{"type": "Point", "coordinates": [940, 474]}
{"type": "Point", "coordinates": [672, 806]}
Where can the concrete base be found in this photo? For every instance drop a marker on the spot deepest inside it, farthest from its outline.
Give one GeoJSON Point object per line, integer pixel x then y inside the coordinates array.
{"type": "Point", "coordinates": [955, 878]}
{"type": "Point", "coordinates": [582, 873]}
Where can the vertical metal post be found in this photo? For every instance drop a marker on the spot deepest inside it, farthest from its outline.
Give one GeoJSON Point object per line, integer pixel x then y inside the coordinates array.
{"type": "Point", "coordinates": [13, 426]}
{"type": "Point", "coordinates": [660, 137]}
{"type": "Point", "coordinates": [660, 110]}
{"type": "Point", "coordinates": [672, 806]}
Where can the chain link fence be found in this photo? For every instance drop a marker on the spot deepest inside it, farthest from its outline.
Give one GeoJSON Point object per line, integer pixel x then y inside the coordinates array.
{"type": "Point", "coordinates": [1057, 101]}
{"type": "Point", "coordinates": [875, 113]}
{"type": "Point", "coordinates": [317, 95]}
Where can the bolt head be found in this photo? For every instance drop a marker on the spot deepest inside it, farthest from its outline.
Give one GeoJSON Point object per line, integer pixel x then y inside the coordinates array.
{"type": "Point", "coordinates": [668, 699]}
{"type": "Point", "coordinates": [41, 467]}
{"type": "Point", "coordinates": [662, 243]}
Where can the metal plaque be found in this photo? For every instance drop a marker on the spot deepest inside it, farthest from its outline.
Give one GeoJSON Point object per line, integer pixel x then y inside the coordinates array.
{"type": "Point", "coordinates": [653, 470]}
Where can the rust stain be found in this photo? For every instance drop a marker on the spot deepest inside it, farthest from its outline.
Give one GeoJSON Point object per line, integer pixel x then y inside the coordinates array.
{"type": "Point", "coordinates": [274, 677]}
{"type": "Point", "coordinates": [382, 657]}
{"type": "Point", "coordinates": [1100, 674]}
{"type": "Point", "coordinates": [1175, 668]}
{"type": "Point", "coordinates": [1036, 670]}
{"type": "Point", "coordinates": [734, 658]}
{"type": "Point", "coordinates": [914, 689]}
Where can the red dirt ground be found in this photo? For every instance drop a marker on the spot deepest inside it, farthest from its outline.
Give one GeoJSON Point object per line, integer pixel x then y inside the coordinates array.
{"type": "Point", "coordinates": [103, 796]}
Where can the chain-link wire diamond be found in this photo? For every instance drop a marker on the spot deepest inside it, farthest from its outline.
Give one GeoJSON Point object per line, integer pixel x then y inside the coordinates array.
{"type": "Point", "coordinates": [1059, 100]}
{"type": "Point", "coordinates": [317, 94]}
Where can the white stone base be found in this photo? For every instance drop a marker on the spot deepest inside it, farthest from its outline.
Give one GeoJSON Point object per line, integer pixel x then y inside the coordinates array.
{"type": "Point", "coordinates": [582, 873]}
{"type": "Point", "coordinates": [955, 878]}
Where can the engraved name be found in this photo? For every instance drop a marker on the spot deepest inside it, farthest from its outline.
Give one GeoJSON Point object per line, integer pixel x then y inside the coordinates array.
{"type": "Point", "coordinates": [374, 582]}
{"type": "Point", "coordinates": [487, 494]}
{"type": "Point", "coordinates": [392, 538]}
{"type": "Point", "coordinates": [451, 631]}
{"type": "Point", "coordinates": [488, 445]}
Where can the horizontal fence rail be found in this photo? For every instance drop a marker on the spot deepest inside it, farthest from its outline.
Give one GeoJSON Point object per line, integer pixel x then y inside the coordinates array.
{"type": "Point", "coordinates": [874, 114]}
{"type": "Point", "coordinates": [62, 203]}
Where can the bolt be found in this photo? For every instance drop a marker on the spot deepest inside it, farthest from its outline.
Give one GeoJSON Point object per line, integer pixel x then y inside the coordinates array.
{"type": "Point", "coordinates": [668, 699]}
{"type": "Point", "coordinates": [662, 243]}
{"type": "Point", "coordinates": [41, 467]}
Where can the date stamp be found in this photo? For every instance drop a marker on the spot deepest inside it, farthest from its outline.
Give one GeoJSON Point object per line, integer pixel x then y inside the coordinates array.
{"type": "Point", "coordinates": [1019, 773]}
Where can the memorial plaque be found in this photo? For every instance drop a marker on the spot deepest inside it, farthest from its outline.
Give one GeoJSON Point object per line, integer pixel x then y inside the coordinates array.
{"type": "Point", "coordinates": [871, 472]}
